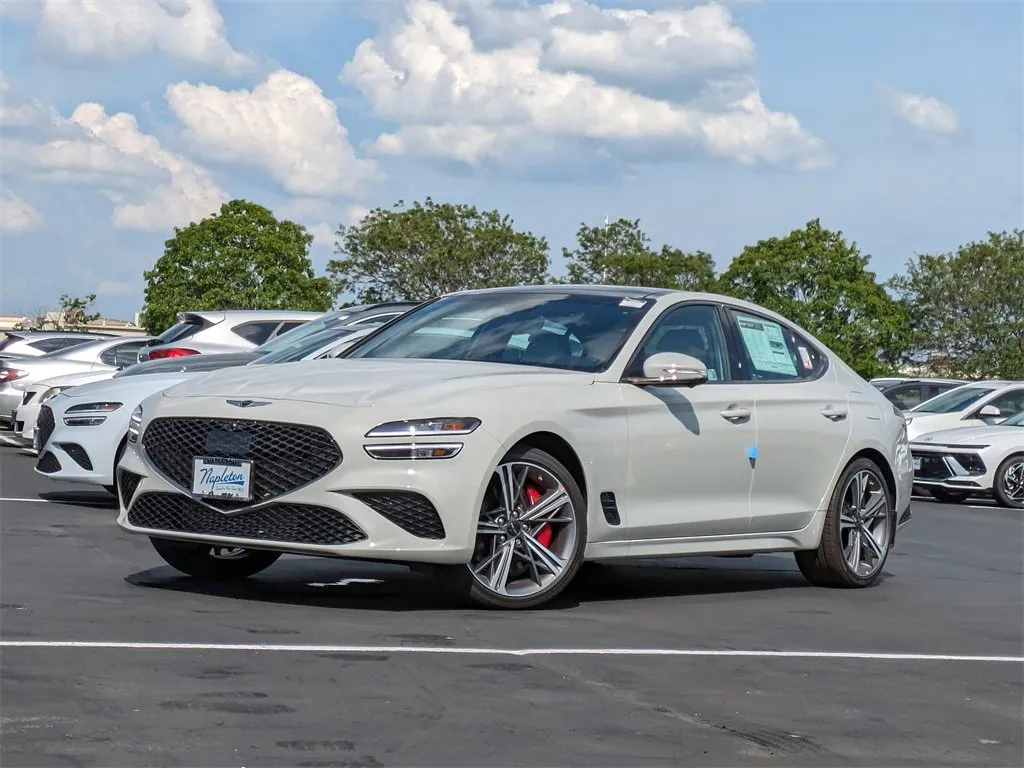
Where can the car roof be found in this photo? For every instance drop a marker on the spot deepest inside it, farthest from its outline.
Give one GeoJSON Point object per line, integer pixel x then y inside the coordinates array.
{"type": "Point", "coordinates": [627, 291]}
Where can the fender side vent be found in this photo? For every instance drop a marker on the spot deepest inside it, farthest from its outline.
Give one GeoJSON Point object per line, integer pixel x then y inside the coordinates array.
{"type": "Point", "coordinates": [610, 508]}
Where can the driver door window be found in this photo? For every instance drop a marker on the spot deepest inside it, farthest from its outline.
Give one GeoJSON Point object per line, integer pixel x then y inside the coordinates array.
{"type": "Point", "coordinates": [692, 330]}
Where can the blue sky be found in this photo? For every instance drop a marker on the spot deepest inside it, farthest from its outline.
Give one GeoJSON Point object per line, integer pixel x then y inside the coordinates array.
{"type": "Point", "coordinates": [898, 123]}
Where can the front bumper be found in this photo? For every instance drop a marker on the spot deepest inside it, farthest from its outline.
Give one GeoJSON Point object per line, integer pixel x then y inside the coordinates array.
{"type": "Point", "coordinates": [412, 511]}
{"type": "Point", "coordinates": [953, 470]}
{"type": "Point", "coordinates": [25, 419]}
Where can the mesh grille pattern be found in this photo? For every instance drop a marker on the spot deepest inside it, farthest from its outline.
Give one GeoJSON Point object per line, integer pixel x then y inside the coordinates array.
{"type": "Point", "coordinates": [409, 511]}
{"type": "Point", "coordinates": [78, 453]}
{"type": "Point", "coordinates": [45, 423]}
{"type": "Point", "coordinates": [285, 456]}
{"type": "Point", "coordinates": [127, 482]}
{"type": "Point", "coordinates": [291, 523]}
{"type": "Point", "coordinates": [48, 463]}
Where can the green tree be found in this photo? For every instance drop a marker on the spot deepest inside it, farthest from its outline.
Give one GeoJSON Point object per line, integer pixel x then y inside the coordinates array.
{"type": "Point", "coordinates": [966, 308]}
{"type": "Point", "coordinates": [416, 253]}
{"type": "Point", "coordinates": [239, 258]}
{"type": "Point", "coordinates": [619, 253]}
{"type": "Point", "coordinates": [74, 313]}
{"type": "Point", "coordinates": [817, 279]}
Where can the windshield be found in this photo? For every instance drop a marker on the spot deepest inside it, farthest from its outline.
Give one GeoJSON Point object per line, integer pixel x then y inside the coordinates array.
{"type": "Point", "coordinates": [1017, 420]}
{"type": "Point", "coordinates": [286, 339]}
{"type": "Point", "coordinates": [572, 331]}
{"type": "Point", "coordinates": [954, 400]}
{"type": "Point", "coordinates": [305, 345]}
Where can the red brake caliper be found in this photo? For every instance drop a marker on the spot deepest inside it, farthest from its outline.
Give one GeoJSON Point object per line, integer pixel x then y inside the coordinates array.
{"type": "Point", "coordinates": [544, 535]}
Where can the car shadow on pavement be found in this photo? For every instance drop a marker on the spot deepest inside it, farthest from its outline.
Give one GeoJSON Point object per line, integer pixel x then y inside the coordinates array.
{"type": "Point", "coordinates": [385, 587]}
{"type": "Point", "coordinates": [95, 499]}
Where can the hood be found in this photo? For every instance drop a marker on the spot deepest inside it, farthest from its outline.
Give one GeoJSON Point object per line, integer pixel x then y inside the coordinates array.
{"type": "Point", "coordinates": [118, 390]}
{"type": "Point", "coordinates": [365, 382]}
{"type": "Point", "coordinates": [190, 363]}
{"type": "Point", "coordinates": [70, 380]}
{"type": "Point", "coordinates": [968, 435]}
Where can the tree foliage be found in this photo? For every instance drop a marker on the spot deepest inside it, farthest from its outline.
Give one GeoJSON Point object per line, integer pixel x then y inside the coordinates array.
{"type": "Point", "coordinates": [239, 258]}
{"type": "Point", "coordinates": [819, 281]}
{"type": "Point", "coordinates": [966, 308]}
{"type": "Point", "coordinates": [416, 253]}
{"type": "Point", "coordinates": [74, 313]}
{"type": "Point", "coordinates": [619, 253]}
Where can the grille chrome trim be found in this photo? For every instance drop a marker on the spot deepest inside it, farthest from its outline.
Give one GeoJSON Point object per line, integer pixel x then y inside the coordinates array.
{"type": "Point", "coordinates": [286, 456]}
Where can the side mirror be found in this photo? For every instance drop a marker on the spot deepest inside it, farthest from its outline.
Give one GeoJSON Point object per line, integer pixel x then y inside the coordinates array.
{"type": "Point", "coordinates": [989, 412]}
{"type": "Point", "coordinates": [671, 369]}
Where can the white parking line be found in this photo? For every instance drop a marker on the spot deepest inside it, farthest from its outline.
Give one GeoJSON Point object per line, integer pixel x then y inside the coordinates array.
{"type": "Point", "coordinates": [426, 649]}
{"type": "Point", "coordinates": [37, 501]}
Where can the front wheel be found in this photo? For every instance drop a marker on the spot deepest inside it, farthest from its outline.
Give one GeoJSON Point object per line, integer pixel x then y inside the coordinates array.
{"type": "Point", "coordinates": [1009, 484]}
{"type": "Point", "coordinates": [214, 563]}
{"type": "Point", "coordinates": [530, 537]}
{"type": "Point", "coordinates": [857, 534]}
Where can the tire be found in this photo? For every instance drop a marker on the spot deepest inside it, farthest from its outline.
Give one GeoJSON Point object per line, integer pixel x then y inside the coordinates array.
{"type": "Point", "coordinates": [564, 536]}
{"type": "Point", "coordinates": [949, 497]}
{"type": "Point", "coordinates": [112, 489]}
{"type": "Point", "coordinates": [199, 560]}
{"type": "Point", "coordinates": [1004, 486]}
{"type": "Point", "coordinates": [828, 565]}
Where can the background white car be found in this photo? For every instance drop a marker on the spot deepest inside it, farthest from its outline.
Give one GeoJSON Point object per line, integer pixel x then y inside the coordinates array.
{"type": "Point", "coordinates": [506, 435]}
{"type": "Point", "coordinates": [107, 354]}
{"type": "Point", "coordinates": [230, 330]}
{"type": "Point", "coordinates": [82, 431]}
{"type": "Point", "coordinates": [978, 404]}
{"type": "Point", "coordinates": [35, 393]}
{"type": "Point", "coordinates": [957, 463]}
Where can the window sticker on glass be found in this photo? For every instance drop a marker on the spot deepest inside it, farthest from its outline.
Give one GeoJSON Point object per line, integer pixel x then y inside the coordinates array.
{"type": "Point", "coordinates": [632, 303]}
{"type": "Point", "coordinates": [766, 346]}
{"type": "Point", "coordinates": [805, 358]}
{"type": "Point", "coordinates": [712, 374]}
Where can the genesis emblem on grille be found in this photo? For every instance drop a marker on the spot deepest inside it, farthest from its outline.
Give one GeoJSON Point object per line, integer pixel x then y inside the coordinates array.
{"type": "Point", "coordinates": [248, 403]}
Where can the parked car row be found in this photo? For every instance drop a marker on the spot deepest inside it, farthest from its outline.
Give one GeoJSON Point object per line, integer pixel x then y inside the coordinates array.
{"type": "Point", "coordinates": [499, 437]}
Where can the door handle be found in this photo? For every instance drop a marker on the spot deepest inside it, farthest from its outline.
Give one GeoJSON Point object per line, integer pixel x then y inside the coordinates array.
{"type": "Point", "coordinates": [836, 414]}
{"type": "Point", "coordinates": [733, 413]}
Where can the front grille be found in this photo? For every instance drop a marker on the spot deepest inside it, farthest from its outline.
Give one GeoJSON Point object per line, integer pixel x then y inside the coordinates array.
{"type": "Point", "coordinates": [286, 523]}
{"type": "Point", "coordinates": [409, 511]}
{"type": "Point", "coordinates": [127, 482]}
{"type": "Point", "coordinates": [78, 453]}
{"type": "Point", "coordinates": [48, 463]}
{"type": "Point", "coordinates": [27, 396]}
{"type": "Point", "coordinates": [45, 423]}
{"type": "Point", "coordinates": [285, 456]}
{"type": "Point", "coordinates": [934, 466]}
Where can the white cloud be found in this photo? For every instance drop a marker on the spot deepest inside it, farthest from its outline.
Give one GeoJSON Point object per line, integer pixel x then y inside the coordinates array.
{"type": "Point", "coordinates": [152, 188]}
{"type": "Point", "coordinates": [16, 215]}
{"type": "Point", "coordinates": [285, 125]}
{"type": "Point", "coordinates": [925, 113]}
{"type": "Point", "coordinates": [548, 77]}
{"type": "Point", "coordinates": [191, 193]}
{"type": "Point", "coordinates": [117, 30]}
{"type": "Point", "coordinates": [323, 235]}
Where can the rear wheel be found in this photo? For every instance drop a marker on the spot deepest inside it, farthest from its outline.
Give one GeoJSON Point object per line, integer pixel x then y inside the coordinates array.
{"type": "Point", "coordinates": [211, 562]}
{"type": "Point", "coordinates": [857, 535]}
{"type": "Point", "coordinates": [531, 534]}
{"type": "Point", "coordinates": [1009, 485]}
{"type": "Point", "coordinates": [949, 497]}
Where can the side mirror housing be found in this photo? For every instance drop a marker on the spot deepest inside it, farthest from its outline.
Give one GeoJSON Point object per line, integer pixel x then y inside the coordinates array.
{"type": "Point", "coordinates": [671, 369]}
{"type": "Point", "coordinates": [989, 412]}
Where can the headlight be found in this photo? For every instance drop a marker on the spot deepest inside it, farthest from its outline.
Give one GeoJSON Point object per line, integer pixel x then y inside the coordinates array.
{"type": "Point", "coordinates": [134, 424]}
{"type": "Point", "coordinates": [449, 425]}
{"type": "Point", "coordinates": [91, 414]}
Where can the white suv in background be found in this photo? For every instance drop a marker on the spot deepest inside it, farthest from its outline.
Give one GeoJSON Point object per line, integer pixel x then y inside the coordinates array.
{"type": "Point", "coordinates": [230, 330]}
{"type": "Point", "coordinates": [979, 404]}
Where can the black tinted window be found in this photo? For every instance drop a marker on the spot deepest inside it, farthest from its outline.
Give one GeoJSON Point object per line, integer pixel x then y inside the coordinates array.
{"type": "Point", "coordinates": [179, 331]}
{"type": "Point", "coordinates": [48, 345]}
{"type": "Point", "coordinates": [123, 355]}
{"type": "Point", "coordinates": [256, 333]}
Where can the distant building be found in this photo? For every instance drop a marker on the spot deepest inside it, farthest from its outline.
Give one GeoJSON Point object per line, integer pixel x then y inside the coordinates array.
{"type": "Point", "coordinates": [54, 320]}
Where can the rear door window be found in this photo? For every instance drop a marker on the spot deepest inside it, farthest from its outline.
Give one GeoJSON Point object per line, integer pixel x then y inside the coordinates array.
{"type": "Point", "coordinates": [123, 355]}
{"type": "Point", "coordinates": [179, 331]}
{"type": "Point", "coordinates": [256, 333]}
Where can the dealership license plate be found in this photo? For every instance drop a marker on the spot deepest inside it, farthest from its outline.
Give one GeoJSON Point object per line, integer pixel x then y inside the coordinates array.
{"type": "Point", "coordinates": [222, 478]}
{"type": "Point", "coordinates": [917, 464]}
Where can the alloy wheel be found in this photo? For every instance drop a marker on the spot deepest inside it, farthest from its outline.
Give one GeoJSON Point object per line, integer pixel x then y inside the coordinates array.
{"type": "Point", "coordinates": [526, 533]}
{"type": "Point", "coordinates": [228, 553]}
{"type": "Point", "coordinates": [1012, 481]}
{"type": "Point", "coordinates": [864, 523]}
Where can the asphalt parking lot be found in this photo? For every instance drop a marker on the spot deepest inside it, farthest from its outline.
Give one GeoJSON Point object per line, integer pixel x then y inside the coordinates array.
{"type": "Point", "coordinates": [319, 663]}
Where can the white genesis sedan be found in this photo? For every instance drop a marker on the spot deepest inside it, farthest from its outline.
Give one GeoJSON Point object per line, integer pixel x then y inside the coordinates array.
{"type": "Point", "coordinates": [508, 435]}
